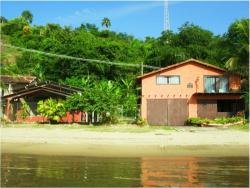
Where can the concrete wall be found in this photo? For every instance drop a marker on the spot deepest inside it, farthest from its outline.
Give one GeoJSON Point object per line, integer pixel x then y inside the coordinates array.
{"type": "Point", "coordinates": [68, 118]}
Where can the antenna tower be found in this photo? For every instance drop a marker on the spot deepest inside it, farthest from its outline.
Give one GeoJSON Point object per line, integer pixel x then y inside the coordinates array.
{"type": "Point", "coordinates": [166, 16]}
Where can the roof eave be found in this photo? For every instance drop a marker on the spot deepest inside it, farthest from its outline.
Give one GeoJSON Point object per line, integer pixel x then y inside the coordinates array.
{"type": "Point", "coordinates": [181, 63]}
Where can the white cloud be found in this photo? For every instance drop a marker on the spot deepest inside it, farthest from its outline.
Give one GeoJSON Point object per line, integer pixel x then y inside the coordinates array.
{"type": "Point", "coordinates": [94, 15]}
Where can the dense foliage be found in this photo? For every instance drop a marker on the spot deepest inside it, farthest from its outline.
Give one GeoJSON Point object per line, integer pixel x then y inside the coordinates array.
{"type": "Point", "coordinates": [52, 109]}
{"type": "Point", "coordinates": [103, 83]}
{"type": "Point", "coordinates": [106, 98]}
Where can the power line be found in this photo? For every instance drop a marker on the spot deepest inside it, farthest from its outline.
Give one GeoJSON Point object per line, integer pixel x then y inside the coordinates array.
{"type": "Point", "coordinates": [78, 58]}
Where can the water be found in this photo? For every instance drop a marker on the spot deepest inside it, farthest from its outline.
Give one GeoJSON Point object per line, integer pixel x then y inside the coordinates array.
{"type": "Point", "coordinates": [18, 170]}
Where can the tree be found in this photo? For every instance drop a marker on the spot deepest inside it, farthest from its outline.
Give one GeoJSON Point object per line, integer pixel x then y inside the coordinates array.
{"type": "Point", "coordinates": [27, 15]}
{"type": "Point", "coordinates": [106, 22]}
{"type": "Point", "coordinates": [238, 42]}
{"type": "Point", "coordinates": [14, 26]}
{"type": "Point", "coordinates": [3, 19]}
{"type": "Point", "coordinates": [103, 97]}
{"type": "Point", "coordinates": [193, 34]}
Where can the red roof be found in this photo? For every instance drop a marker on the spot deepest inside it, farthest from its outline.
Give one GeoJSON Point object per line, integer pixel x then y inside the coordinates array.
{"type": "Point", "coordinates": [181, 63]}
{"type": "Point", "coordinates": [17, 79]}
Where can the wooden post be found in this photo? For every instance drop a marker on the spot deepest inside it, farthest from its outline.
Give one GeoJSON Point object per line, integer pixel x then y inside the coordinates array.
{"type": "Point", "coordinates": [8, 109]}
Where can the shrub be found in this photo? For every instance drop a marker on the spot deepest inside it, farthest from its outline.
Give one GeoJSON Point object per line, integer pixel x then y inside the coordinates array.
{"type": "Point", "coordinates": [197, 121]}
{"type": "Point", "coordinates": [25, 110]}
{"type": "Point", "coordinates": [52, 109]}
{"type": "Point", "coordinates": [223, 120]}
{"type": "Point", "coordinates": [141, 121]}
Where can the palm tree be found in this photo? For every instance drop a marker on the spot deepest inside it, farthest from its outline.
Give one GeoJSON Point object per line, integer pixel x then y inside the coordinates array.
{"type": "Point", "coordinates": [3, 19]}
{"type": "Point", "coordinates": [27, 15]}
{"type": "Point", "coordinates": [106, 22]}
{"type": "Point", "coordinates": [238, 35]}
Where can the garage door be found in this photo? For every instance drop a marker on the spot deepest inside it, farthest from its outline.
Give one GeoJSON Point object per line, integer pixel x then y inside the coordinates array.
{"type": "Point", "coordinates": [167, 111]}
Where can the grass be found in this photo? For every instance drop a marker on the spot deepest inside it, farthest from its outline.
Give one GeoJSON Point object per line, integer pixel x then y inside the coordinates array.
{"type": "Point", "coordinates": [124, 128]}
{"type": "Point", "coordinates": [244, 127]}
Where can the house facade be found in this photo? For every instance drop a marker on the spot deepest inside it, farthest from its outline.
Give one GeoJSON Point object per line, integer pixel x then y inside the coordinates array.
{"type": "Point", "coordinates": [169, 96]}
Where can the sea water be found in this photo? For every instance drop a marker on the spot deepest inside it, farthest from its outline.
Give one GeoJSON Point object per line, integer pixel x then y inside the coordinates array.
{"type": "Point", "coordinates": [21, 170]}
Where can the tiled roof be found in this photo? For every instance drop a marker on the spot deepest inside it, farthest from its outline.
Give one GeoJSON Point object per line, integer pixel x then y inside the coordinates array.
{"type": "Point", "coordinates": [17, 79]}
{"type": "Point", "coordinates": [181, 63]}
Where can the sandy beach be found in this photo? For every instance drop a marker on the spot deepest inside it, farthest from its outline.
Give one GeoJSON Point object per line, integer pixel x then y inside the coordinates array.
{"type": "Point", "coordinates": [181, 142]}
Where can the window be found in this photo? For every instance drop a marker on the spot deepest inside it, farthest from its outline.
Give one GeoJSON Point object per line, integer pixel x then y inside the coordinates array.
{"type": "Point", "coordinates": [162, 80]}
{"type": "Point", "coordinates": [215, 84]}
{"type": "Point", "coordinates": [167, 80]}
{"type": "Point", "coordinates": [223, 88]}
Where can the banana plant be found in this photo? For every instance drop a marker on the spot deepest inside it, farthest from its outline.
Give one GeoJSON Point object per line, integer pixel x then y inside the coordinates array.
{"type": "Point", "coordinates": [53, 109]}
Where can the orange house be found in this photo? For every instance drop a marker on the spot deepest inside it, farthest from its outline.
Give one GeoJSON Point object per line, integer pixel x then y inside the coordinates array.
{"type": "Point", "coordinates": [170, 95]}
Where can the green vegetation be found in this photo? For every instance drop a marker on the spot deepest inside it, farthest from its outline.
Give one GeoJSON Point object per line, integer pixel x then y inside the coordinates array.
{"type": "Point", "coordinates": [3, 19]}
{"type": "Point", "coordinates": [51, 109]}
{"type": "Point", "coordinates": [223, 120]}
{"type": "Point", "coordinates": [105, 98]}
{"type": "Point", "coordinates": [244, 127]}
{"type": "Point", "coordinates": [197, 121]}
{"type": "Point", "coordinates": [111, 88]}
{"type": "Point", "coordinates": [140, 121]}
{"type": "Point", "coordinates": [24, 109]}
{"type": "Point", "coordinates": [27, 15]}
{"type": "Point", "coordinates": [104, 128]}
{"type": "Point", "coordinates": [106, 23]}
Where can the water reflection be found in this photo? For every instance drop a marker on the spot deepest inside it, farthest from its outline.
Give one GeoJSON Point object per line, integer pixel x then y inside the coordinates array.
{"type": "Point", "coordinates": [57, 171]}
{"type": "Point", "coordinates": [171, 171]}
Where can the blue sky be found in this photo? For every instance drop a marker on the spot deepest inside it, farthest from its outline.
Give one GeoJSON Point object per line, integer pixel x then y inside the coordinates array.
{"type": "Point", "coordinates": [140, 19]}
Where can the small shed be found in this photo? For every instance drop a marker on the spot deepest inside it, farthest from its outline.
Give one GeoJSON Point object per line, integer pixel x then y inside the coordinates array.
{"type": "Point", "coordinates": [31, 94]}
{"type": "Point", "coordinates": [9, 84]}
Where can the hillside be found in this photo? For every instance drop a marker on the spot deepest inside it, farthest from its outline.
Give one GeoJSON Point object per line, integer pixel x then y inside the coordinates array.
{"type": "Point", "coordinates": [89, 42]}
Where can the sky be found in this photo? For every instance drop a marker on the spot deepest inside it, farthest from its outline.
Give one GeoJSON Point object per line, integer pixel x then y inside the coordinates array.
{"type": "Point", "coordinates": [137, 18]}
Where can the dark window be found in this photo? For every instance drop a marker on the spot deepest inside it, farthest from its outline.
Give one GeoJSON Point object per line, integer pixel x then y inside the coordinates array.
{"type": "Point", "coordinates": [225, 105]}
{"type": "Point", "coordinates": [215, 84]}
{"type": "Point", "coordinates": [230, 105]}
{"type": "Point", "coordinates": [165, 80]}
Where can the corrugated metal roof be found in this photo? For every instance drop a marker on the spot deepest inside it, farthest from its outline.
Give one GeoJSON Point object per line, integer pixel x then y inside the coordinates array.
{"type": "Point", "coordinates": [48, 86]}
{"type": "Point", "coordinates": [17, 79]}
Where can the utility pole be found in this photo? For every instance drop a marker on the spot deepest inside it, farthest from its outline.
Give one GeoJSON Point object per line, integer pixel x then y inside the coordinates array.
{"type": "Point", "coordinates": [166, 16]}
{"type": "Point", "coordinates": [142, 68]}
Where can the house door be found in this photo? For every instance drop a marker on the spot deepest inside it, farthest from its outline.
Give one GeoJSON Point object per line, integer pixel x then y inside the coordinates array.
{"type": "Point", "coordinates": [167, 111]}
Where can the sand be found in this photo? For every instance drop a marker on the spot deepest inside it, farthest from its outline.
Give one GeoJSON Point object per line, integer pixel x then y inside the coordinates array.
{"type": "Point", "coordinates": [79, 142]}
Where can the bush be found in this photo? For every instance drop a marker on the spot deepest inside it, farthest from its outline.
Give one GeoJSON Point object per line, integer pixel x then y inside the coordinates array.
{"type": "Point", "coordinates": [52, 109]}
{"type": "Point", "coordinates": [108, 118]}
{"type": "Point", "coordinates": [197, 121]}
{"type": "Point", "coordinates": [141, 121]}
{"type": "Point", "coordinates": [223, 120]}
